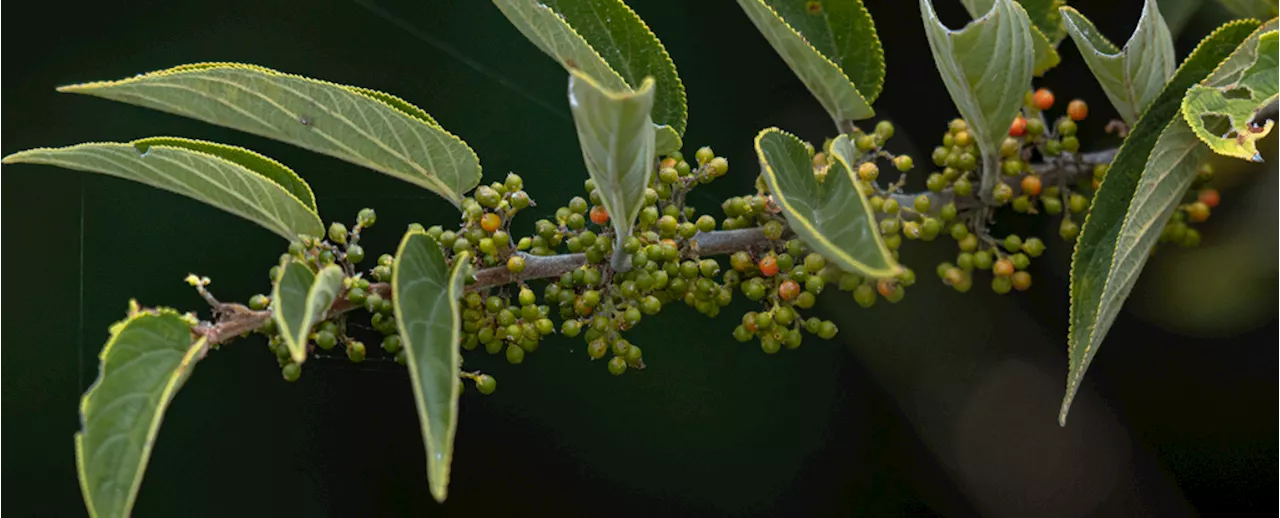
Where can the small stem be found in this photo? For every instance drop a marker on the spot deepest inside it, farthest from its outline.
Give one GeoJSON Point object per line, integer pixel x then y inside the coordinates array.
{"type": "Point", "coordinates": [236, 319]}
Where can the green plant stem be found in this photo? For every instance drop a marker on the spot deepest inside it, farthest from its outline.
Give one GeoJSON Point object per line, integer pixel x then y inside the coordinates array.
{"type": "Point", "coordinates": [235, 320]}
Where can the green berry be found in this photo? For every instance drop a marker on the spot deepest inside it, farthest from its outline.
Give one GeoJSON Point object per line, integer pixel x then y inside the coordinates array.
{"type": "Point", "coordinates": [706, 223]}
{"type": "Point", "coordinates": [1012, 243]}
{"type": "Point", "coordinates": [326, 340]}
{"type": "Point", "coordinates": [486, 384]}
{"type": "Point", "coordinates": [392, 344]}
{"type": "Point", "coordinates": [1077, 203]}
{"type": "Point", "coordinates": [366, 218]}
{"type": "Point", "coordinates": [338, 233]}
{"type": "Point", "coordinates": [618, 364]}
{"type": "Point", "coordinates": [864, 295]}
{"type": "Point", "coordinates": [827, 330]}
{"type": "Point", "coordinates": [355, 254]}
{"type": "Point", "coordinates": [355, 351]}
{"type": "Point", "coordinates": [291, 371]}
{"type": "Point", "coordinates": [515, 355]}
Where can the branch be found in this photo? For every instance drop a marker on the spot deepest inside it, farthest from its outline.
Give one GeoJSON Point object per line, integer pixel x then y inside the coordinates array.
{"type": "Point", "coordinates": [234, 320]}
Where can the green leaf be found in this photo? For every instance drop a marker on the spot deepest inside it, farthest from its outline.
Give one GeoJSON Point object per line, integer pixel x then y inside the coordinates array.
{"type": "Point", "coordinates": [666, 140]}
{"type": "Point", "coordinates": [1149, 173]}
{"type": "Point", "coordinates": [987, 68]}
{"type": "Point", "coordinates": [1260, 9]}
{"type": "Point", "coordinates": [426, 292]}
{"type": "Point", "coordinates": [148, 358]}
{"type": "Point", "coordinates": [300, 300]}
{"type": "Point", "coordinates": [831, 45]}
{"type": "Point", "coordinates": [233, 179]}
{"type": "Point", "coordinates": [1237, 97]}
{"type": "Point", "coordinates": [831, 216]}
{"type": "Point", "coordinates": [616, 135]}
{"type": "Point", "coordinates": [364, 127]}
{"type": "Point", "coordinates": [1131, 77]}
{"type": "Point", "coordinates": [606, 40]}
{"type": "Point", "coordinates": [1046, 29]}
{"type": "Point", "coordinates": [1177, 13]}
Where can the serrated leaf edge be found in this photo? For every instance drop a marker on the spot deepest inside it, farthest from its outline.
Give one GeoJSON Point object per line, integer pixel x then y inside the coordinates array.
{"type": "Point", "coordinates": [197, 349]}
{"type": "Point", "coordinates": [191, 68]}
{"type": "Point", "coordinates": [439, 489]}
{"type": "Point", "coordinates": [767, 169]}
{"type": "Point", "coordinates": [1074, 375]}
{"type": "Point", "coordinates": [1182, 108]}
{"type": "Point", "coordinates": [22, 157]}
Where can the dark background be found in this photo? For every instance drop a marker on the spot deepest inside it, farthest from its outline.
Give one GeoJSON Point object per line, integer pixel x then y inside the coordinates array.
{"type": "Point", "coordinates": [942, 404]}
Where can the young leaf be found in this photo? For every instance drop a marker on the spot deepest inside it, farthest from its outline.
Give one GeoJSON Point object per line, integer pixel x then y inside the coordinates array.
{"type": "Point", "coordinates": [233, 179]}
{"type": "Point", "coordinates": [1260, 9]}
{"type": "Point", "coordinates": [832, 216]}
{"type": "Point", "coordinates": [300, 300]}
{"type": "Point", "coordinates": [616, 136]}
{"type": "Point", "coordinates": [364, 127]}
{"type": "Point", "coordinates": [666, 140]}
{"type": "Point", "coordinates": [426, 292]}
{"type": "Point", "coordinates": [987, 67]}
{"type": "Point", "coordinates": [1237, 99]}
{"type": "Point", "coordinates": [148, 358]}
{"type": "Point", "coordinates": [1042, 25]}
{"type": "Point", "coordinates": [1147, 177]}
{"type": "Point", "coordinates": [831, 45]}
{"type": "Point", "coordinates": [606, 40]}
{"type": "Point", "coordinates": [1133, 76]}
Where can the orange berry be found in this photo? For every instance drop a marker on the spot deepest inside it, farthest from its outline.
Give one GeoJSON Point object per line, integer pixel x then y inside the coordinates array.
{"type": "Point", "coordinates": [1210, 197]}
{"type": "Point", "coordinates": [769, 266]}
{"type": "Point", "coordinates": [668, 162]}
{"type": "Point", "coordinates": [599, 215]}
{"type": "Point", "coordinates": [789, 290]}
{"type": "Point", "coordinates": [1043, 99]}
{"type": "Point", "coordinates": [1019, 127]}
{"type": "Point", "coordinates": [1077, 110]}
{"type": "Point", "coordinates": [490, 222]}
{"type": "Point", "coordinates": [1003, 268]}
{"type": "Point", "coordinates": [885, 287]}
{"type": "Point", "coordinates": [1021, 281]}
{"type": "Point", "coordinates": [1031, 185]}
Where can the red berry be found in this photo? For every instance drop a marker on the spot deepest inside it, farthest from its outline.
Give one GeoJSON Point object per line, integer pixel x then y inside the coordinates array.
{"type": "Point", "coordinates": [1077, 110]}
{"type": "Point", "coordinates": [789, 290]}
{"type": "Point", "coordinates": [1043, 99]}
{"type": "Point", "coordinates": [769, 266]}
{"type": "Point", "coordinates": [1019, 127]}
{"type": "Point", "coordinates": [1210, 197]}
{"type": "Point", "coordinates": [599, 215]}
{"type": "Point", "coordinates": [1031, 185]}
{"type": "Point", "coordinates": [885, 287]}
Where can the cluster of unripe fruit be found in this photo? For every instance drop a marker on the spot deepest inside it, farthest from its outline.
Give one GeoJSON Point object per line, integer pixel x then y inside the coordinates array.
{"type": "Point", "coordinates": [598, 303]}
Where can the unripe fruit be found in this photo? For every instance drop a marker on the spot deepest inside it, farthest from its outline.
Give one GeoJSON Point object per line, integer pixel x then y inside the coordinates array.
{"type": "Point", "coordinates": [868, 171]}
{"type": "Point", "coordinates": [903, 163]}
{"type": "Point", "coordinates": [1198, 211]}
{"type": "Point", "coordinates": [704, 155]}
{"type": "Point", "coordinates": [618, 365]}
{"type": "Point", "coordinates": [864, 295]}
{"type": "Point", "coordinates": [355, 351]}
{"type": "Point", "coordinates": [355, 254]}
{"type": "Point", "coordinates": [291, 372]}
{"type": "Point", "coordinates": [1068, 230]}
{"type": "Point", "coordinates": [1021, 281]}
{"type": "Point", "coordinates": [1077, 203]}
{"type": "Point", "coordinates": [338, 233]}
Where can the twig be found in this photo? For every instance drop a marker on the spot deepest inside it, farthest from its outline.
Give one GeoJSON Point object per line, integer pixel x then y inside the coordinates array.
{"type": "Point", "coordinates": [236, 319]}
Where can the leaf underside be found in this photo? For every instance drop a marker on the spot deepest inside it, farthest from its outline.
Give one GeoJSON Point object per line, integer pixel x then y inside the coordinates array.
{"type": "Point", "coordinates": [987, 67]}
{"type": "Point", "coordinates": [372, 129]}
{"type": "Point", "coordinates": [1237, 101]}
{"type": "Point", "coordinates": [833, 49]}
{"type": "Point", "coordinates": [1149, 173]}
{"type": "Point", "coordinates": [232, 179]}
{"type": "Point", "coordinates": [299, 301]}
{"type": "Point", "coordinates": [614, 131]}
{"type": "Point", "coordinates": [1046, 29]}
{"type": "Point", "coordinates": [426, 292]}
{"type": "Point", "coordinates": [1133, 76]}
{"type": "Point", "coordinates": [832, 217]}
{"type": "Point", "coordinates": [148, 358]}
{"type": "Point", "coordinates": [607, 41]}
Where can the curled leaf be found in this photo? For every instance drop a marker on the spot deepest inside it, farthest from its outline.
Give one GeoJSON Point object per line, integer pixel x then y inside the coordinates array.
{"type": "Point", "coordinates": [1222, 110]}
{"type": "Point", "coordinates": [1133, 76]}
